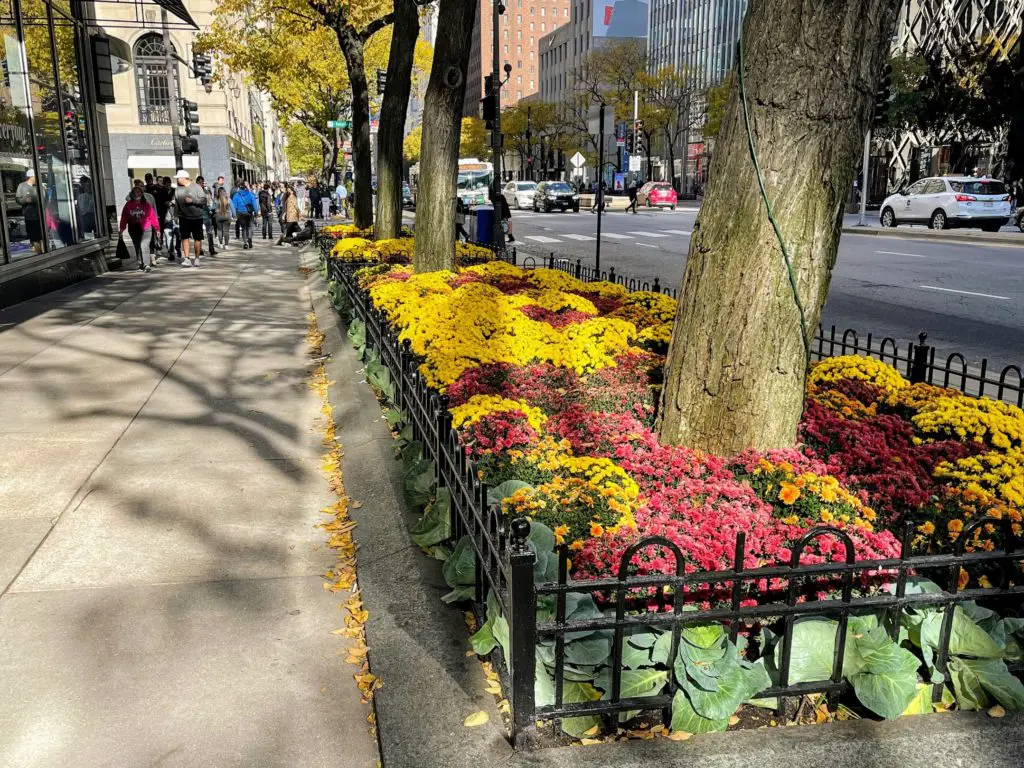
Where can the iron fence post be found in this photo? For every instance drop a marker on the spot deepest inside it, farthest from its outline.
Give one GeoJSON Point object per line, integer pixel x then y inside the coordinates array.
{"type": "Point", "coordinates": [551, 260]}
{"type": "Point", "coordinates": [656, 286]}
{"type": "Point", "coordinates": [611, 275]}
{"type": "Point", "coordinates": [579, 268]}
{"type": "Point", "coordinates": [919, 367]}
{"type": "Point", "coordinates": [522, 621]}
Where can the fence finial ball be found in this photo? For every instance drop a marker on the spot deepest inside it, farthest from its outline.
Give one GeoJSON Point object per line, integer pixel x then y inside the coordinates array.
{"type": "Point", "coordinates": [922, 337]}
{"type": "Point", "coordinates": [520, 529]}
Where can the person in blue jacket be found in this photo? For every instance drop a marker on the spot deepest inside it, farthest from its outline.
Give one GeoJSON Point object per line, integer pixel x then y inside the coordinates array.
{"type": "Point", "coordinates": [246, 204]}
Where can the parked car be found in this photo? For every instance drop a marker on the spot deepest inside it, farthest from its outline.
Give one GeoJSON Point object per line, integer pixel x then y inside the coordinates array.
{"type": "Point", "coordinates": [519, 194]}
{"type": "Point", "coordinates": [1020, 218]}
{"type": "Point", "coordinates": [657, 193]}
{"type": "Point", "coordinates": [407, 198]}
{"type": "Point", "coordinates": [950, 201]}
{"type": "Point", "coordinates": [555, 194]}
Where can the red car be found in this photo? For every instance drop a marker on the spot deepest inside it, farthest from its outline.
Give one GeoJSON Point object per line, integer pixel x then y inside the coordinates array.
{"type": "Point", "coordinates": [657, 193]}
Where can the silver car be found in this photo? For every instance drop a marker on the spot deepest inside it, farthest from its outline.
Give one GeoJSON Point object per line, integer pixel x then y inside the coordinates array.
{"type": "Point", "coordinates": [519, 194]}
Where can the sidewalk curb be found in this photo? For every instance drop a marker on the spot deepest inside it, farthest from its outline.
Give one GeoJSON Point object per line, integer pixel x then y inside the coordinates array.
{"type": "Point", "coordinates": [418, 645]}
{"type": "Point", "coordinates": [1005, 239]}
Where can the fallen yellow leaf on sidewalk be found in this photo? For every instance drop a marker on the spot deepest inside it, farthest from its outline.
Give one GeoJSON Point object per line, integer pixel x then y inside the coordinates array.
{"type": "Point", "coordinates": [477, 718]}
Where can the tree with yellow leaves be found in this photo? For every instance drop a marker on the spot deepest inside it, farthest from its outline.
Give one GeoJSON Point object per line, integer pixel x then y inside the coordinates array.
{"type": "Point", "coordinates": [312, 56]}
{"type": "Point", "coordinates": [472, 140]}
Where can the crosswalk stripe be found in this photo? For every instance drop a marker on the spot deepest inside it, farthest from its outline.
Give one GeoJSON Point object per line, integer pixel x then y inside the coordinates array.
{"type": "Point", "coordinates": [677, 231]}
{"type": "Point", "coordinates": [542, 239]}
{"type": "Point", "coordinates": [578, 237]}
{"type": "Point", "coordinates": [647, 234]}
{"type": "Point", "coordinates": [616, 236]}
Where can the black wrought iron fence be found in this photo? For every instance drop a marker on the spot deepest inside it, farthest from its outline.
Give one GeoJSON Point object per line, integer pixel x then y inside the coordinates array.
{"type": "Point", "coordinates": [788, 593]}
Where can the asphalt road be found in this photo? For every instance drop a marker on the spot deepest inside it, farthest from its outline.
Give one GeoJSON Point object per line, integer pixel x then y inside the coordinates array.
{"type": "Point", "coordinates": [968, 298]}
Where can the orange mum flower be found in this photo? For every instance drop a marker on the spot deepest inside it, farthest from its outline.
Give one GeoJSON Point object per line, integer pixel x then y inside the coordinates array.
{"type": "Point", "coordinates": [789, 493]}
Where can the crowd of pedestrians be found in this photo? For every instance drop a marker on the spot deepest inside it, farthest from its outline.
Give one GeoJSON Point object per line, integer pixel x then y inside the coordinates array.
{"type": "Point", "coordinates": [173, 218]}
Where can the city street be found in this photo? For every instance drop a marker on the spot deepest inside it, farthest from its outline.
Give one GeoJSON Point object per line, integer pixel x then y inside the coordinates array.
{"type": "Point", "coordinates": [967, 297]}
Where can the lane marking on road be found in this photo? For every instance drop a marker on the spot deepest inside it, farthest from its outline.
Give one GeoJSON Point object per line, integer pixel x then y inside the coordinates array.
{"type": "Point", "coordinates": [647, 234]}
{"type": "Point", "coordinates": [899, 253]}
{"type": "Point", "coordinates": [542, 239]}
{"type": "Point", "coordinates": [965, 293]}
{"type": "Point", "coordinates": [678, 231]}
{"type": "Point", "coordinates": [578, 237]}
{"type": "Point", "coordinates": [645, 245]}
{"type": "Point", "coordinates": [616, 236]}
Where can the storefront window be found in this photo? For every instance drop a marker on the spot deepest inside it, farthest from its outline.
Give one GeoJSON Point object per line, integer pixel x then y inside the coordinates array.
{"type": "Point", "coordinates": [48, 109]}
{"type": "Point", "coordinates": [75, 124]}
{"type": "Point", "coordinates": [22, 209]}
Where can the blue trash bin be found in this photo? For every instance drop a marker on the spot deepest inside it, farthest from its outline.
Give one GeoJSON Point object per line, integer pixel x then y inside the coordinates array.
{"type": "Point", "coordinates": [484, 224]}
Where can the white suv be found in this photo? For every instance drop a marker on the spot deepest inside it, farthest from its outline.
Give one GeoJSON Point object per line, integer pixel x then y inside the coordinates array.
{"type": "Point", "coordinates": [950, 201]}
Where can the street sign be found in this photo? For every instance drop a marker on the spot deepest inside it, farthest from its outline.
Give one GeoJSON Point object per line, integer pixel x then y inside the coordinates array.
{"type": "Point", "coordinates": [343, 124]}
{"type": "Point", "coordinates": [620, 142]}
{"type": "Point", "coordinates": [635, 162]}
{"type": "Point", "coordinates": [578, 160]}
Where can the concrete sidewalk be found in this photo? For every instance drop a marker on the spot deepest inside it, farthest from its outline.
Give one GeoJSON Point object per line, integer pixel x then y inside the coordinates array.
{"type": "Point", "coordinates": [161, 598]}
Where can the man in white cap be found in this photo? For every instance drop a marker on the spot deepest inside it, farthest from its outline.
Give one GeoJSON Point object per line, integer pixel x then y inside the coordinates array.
{"type": "Point", "coordinates": [27, 196]}
{"type": "Point", "coordinates": [190, 200]}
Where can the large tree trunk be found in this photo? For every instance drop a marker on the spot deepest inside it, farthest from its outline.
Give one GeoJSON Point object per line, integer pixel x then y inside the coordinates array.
{"type": "Point", "coordinates": [351, 43]}
{"type": "Point", "coordinates": [734, 377]}
{"type": "Point", "coordinates": [439, 149]}
{"type": "Point", "coordinates": [392, 120]}
{"type": "Point", "coordinates": [328, 156]}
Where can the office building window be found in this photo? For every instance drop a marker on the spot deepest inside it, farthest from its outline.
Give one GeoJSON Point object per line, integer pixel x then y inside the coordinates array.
{"type": "Point", "coordinates": [152, 84]}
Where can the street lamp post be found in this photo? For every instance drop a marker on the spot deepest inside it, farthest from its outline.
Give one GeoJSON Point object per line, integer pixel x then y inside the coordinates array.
{"type": "Point", "coordinates": [529, 148]}
{"type": "Point", "coordinates": [600, 191]}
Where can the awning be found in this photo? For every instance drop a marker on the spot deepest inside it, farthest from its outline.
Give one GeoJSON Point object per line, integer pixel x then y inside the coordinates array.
{"type": "Point", "coordinates": [137, 18]}
{"type": "Point", "coordinates": [146, 162]}
{"type": "Point", "coordinates": [177, 7]}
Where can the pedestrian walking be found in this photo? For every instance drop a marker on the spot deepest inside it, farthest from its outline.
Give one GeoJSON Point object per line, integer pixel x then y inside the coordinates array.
{"type": "Point", "coordinates": [314, 201]}
{"type": "Point", "coordinates": [190, 202]}
{"type": "Point", "coordinates": [599, 197]}
{"type": "Point", "coordinates": [460, 220]}
{"type": "Point", "coordinates": [208, 226]}
{"type": "Point", "coordinates": [501, 209]}
{"type": "Point", "coordinates": [245, 205]}
{"type": "Point", "coordinates": [341, 195]}
{"type": "Point", "coordinates": [223, 213]}
{"type": "Point", "coordinates": [632, 192]}
{"type": "Point", "coordinates": [139, 218]}
{"type": "Point", "coordinates": [289, 214]}
{"type": "Point", "coordinates": [266, 200]}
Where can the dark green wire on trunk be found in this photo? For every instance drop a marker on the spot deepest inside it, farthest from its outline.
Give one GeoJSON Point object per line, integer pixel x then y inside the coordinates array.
{"type": "Point", "coordinates": [771, 214]}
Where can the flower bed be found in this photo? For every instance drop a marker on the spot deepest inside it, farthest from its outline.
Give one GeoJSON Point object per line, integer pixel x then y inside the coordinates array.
{"type": "Point", "coordinates": [552, 385]}
{"type": "Point", "coordinates": [353, 245]}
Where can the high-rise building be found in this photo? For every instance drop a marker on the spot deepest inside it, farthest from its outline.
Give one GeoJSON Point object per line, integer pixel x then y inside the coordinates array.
{"type": "Point", "coordinates": [520, 30]}
{"type": "Point", "coordinates": [695, 36]}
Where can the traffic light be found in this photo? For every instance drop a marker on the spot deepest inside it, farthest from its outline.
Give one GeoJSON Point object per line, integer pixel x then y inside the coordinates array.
{"type": "Point", "coordinates": [382, 80]}
{"type": "Point", "coordinates": [71, 136]}
{"type": "Point", "coordinates": [488, 104]}
{"type": "Point", "coordinates": [629, 143]}
{"type": "Point", "coordinates": [189, 144]}
{"type": "Point", "coordinates": [202, 67]}
{"type": "Point", "coordinates": [883, 93]}
{"type": "Point", "coordinates": [190, 116]}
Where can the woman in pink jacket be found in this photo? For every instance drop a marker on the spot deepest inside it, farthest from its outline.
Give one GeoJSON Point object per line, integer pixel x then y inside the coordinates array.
{"type": "Point", "coordinates": [140, 219]}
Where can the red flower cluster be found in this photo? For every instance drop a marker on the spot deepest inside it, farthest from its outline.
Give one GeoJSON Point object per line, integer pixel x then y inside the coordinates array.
{"type": "Point", "coordinates": [544, 386]}
{"type": "Point", "coordinates": [498, 432]}
{"type": "Point", "coordinates": [554, 319]}
{"type": "Point", "coordinates": [878, 454]}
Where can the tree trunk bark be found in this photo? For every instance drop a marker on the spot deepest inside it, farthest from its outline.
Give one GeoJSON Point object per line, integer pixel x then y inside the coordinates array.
{"type": "Point", "coordinates": [351, 44]}
{"type": "Point", "coordinates": [670, 145]}
{"type": "Point", "coordinates": [328, 158]}
{"type": "Point", "coordinates": [439, 150]}
{"type": "Point", "coordinates": [392, 120]}
{"type": "Point", "coordinates": [735, 372]}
